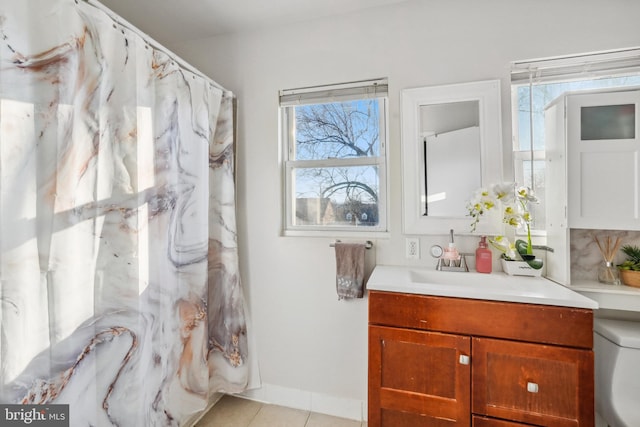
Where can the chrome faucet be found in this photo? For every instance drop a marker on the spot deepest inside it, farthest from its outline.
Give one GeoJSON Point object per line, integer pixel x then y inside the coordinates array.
{"type": "Point", "coordinates": [450, 260]}
{"type": "Point", "coordinates": [451, 265]}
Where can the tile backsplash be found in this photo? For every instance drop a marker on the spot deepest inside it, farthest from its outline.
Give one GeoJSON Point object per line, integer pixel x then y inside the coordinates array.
{"type": "Point", "coordinates": [585, 255]}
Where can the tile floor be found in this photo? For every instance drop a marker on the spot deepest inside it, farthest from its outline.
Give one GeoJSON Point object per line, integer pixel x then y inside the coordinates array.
{"type": "Point", "coordinates": [233, 411]}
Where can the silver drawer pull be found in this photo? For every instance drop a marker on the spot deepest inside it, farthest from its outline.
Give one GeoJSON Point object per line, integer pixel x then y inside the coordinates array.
{"type": "Point", "coordinates": [532, 387]}
{"type": "Point", "coordinates": [464, 359]}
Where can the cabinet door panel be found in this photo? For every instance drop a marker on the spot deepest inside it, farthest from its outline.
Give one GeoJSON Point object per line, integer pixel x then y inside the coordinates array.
{"type": "Point", "coordinates": [604, 160]}
{"type": "Point", "coordinates": [416, 377]}
{"type": "Point", "coordinates": [532, 383]}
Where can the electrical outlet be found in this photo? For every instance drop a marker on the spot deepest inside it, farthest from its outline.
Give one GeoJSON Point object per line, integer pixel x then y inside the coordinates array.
{"type": "Point", "coordinates": [412, 249]}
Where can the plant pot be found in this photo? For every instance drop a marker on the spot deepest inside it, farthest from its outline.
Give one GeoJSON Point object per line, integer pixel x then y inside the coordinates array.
{"type": "Point", "coordinates": [630, 278]}
{"type": "Point", "coordinates": [519, 268]}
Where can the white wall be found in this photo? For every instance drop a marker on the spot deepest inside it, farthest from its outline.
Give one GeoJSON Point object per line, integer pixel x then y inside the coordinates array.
{"type": "Point", "coordinates": [307, 339]}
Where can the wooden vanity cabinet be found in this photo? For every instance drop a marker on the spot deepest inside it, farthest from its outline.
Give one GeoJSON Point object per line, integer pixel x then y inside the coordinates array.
{"type": "Point", "coordinates": [443, 362]}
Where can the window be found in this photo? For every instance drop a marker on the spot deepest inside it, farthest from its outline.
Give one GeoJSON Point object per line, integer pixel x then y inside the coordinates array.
{"type": "Point", "coordinates": [334, 152]}
{"type": "Point", "coordinates": [535, 84]}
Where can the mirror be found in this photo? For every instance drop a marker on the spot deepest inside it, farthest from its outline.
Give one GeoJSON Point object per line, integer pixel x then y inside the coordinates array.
{"type": "Point", "coordinates": [448, 130]}
{"type": "Point", "coordinates": [451, 138]}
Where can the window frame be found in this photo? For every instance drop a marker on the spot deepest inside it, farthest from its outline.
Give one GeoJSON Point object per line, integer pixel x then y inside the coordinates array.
{"type": "Point", "coordinates": [353, 91]}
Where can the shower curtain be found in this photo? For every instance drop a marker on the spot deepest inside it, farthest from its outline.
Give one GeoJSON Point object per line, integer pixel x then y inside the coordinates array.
{"type": "Point", "coordinates": [119, 285]}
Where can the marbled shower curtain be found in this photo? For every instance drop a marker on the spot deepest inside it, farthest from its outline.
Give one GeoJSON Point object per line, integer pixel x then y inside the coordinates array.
{"type": "Point", "coordinates": [119, 292]}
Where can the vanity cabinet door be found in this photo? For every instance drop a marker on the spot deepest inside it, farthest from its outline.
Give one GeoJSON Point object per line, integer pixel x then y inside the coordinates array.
{"type": "Point", "coordinates": [418, 378]}
{"type": "Point", "coordinates": [533, 383]}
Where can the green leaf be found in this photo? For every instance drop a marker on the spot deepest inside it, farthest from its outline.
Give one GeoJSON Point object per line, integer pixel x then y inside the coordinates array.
{"type": "Point", "coordinates": [536, 263]}
{"type": "Point", "coordinates": [521, 247]}
{"type": "Point", "coordinates": [632, 252]}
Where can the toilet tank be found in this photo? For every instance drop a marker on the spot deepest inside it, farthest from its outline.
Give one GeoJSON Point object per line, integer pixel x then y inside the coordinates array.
{"type": "Point", "coordinates": [617, 377]}
{"type": "Point", "coordinates": [623, 333]}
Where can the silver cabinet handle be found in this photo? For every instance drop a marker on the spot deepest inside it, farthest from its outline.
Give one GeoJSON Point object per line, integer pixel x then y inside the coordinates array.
{"type": "Point", "coordinates": [532, 387]}
{"type": "Point", "coordinates": [464, 359]}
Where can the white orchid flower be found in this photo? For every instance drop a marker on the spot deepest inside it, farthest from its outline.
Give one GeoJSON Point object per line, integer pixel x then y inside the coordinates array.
{"type": "Point", "coordinates": [525, 194]}
{"type": "Point", "coordinates": [504, 191]}
{"type": "Point", "coordinates": [513, 215]}
{"type": "Point", "coordinates": [515, 201]}
{"type": "Point", "coordinates": [503, 244]}
{"type": "Point", "coordinates": [482, 201]}
{"type": "Point", "coordinates": [510, 253]}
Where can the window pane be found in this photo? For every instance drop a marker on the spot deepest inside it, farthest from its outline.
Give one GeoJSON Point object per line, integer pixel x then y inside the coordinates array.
{"type": "Point", "coordinates": [344, 196]}
{"type": "Point", "coordinates": [608, 122]}
{"type": "Point", "coordinates": [337, 130]}
{"type": "Point", "coordinates": [537, 210]}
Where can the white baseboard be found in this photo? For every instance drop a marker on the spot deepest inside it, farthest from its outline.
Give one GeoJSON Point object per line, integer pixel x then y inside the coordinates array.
{"type": "Point", "coordinates": [309, 401]}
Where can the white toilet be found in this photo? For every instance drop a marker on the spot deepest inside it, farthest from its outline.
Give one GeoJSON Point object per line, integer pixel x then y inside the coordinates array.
{"type": "Point", "coordinates": [617, 371]}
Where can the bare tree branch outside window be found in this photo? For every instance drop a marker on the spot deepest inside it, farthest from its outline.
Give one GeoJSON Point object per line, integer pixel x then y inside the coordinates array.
{"type": "Point", "coordinates": [337, 194]}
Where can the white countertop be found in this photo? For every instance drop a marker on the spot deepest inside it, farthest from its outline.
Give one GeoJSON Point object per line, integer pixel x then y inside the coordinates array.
{"type": "Point", "coordinates": [615, 297]}
{"type": "Point", "coordinates": [496, 286]}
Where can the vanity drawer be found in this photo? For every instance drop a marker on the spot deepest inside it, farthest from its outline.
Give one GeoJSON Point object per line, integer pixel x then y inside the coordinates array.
{"type": "Point", "coordinates": [532, 383]}
{"type": "Point", "coordinates": [544, 324]}
{"type": "Point", "coordinates": [493, 422]}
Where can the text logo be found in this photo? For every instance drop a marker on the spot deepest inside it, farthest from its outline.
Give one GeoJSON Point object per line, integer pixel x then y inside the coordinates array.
{"type": "Point", "coordinates": [34, 415]}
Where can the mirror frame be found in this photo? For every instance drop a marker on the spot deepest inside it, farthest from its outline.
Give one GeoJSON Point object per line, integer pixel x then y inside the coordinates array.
{"type": "Point", "coordinates": [488, 94]}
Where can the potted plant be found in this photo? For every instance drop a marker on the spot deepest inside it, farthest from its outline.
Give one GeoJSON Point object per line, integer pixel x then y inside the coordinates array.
{"type": "Point", "coordinates": [630, 268]}
{"type": "Point", "coordinates": [514, 201]}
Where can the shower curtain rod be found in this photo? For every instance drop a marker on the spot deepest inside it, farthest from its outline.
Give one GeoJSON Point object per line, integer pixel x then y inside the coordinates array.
{"type": "Point", "coordinates": [150, 41]}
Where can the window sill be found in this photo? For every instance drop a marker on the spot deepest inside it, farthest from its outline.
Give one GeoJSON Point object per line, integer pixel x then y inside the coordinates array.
{"type": "Point", "coordinates": [337, 234]}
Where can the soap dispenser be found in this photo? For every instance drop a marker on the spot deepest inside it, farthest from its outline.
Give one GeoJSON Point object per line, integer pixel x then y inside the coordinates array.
{"type": "Point", "coordinates": [483, 257]}
{"type": "Point", "coordinates": [451, 254]}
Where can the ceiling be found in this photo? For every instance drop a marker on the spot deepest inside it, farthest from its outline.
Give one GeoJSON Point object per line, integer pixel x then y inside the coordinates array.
{"type": "Point", "coordinates": [170, 21]}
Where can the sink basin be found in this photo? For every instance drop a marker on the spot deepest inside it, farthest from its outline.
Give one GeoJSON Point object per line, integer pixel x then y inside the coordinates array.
{"type": "Point", "coordinates": [495, 286]}
{"type": "Point", "coordinates": [479, 283]}
{"type": "Point", "coordinates": [435, 277]}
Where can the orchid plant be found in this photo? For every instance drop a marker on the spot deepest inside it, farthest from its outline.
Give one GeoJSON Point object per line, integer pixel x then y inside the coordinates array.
{"type": "Point", "coordinates": [515, 202]}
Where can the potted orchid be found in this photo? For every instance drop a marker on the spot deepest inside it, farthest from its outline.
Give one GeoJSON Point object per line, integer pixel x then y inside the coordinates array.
{"type": "Point", "coordinates": [514, 201]}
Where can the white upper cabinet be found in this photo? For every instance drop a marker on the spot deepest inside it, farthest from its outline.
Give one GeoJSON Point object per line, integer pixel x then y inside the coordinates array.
{"type": "Point", "coordinates": [598, 142]}
{"type": "Point", "coordinates": [603, 147]}
{"type": "Point", "coordinates": [592, 154]}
